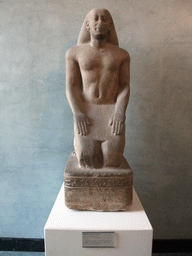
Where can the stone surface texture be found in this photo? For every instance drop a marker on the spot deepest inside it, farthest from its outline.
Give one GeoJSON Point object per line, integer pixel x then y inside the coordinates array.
{"type": "Point", "coordinates": [97, 88]}
{"type": "Point", "coordinates": [105, 189]}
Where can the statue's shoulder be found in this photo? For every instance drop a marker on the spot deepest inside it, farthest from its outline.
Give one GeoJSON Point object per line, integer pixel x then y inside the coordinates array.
{"type": "Point", "coordinates": [121, 52]}
{"type": "Point", "coordinates": [73, 52]}
{"type": "Point", "coordinates": [125, 54]}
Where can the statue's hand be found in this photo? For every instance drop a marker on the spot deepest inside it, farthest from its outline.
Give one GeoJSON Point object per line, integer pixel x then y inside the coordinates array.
{"type": "Point", "coordinates": [82, 121]}
{"type": "Point", "coordinates": [117, 122]}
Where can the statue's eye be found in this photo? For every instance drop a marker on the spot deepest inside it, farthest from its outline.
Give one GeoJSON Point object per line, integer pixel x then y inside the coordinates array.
{"type": "Point", "coordinates": [96, 18]}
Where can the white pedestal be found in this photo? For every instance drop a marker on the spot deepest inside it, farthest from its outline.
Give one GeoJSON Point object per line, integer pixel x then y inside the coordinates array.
{"type": "Point", "coordinates": [64, 227]}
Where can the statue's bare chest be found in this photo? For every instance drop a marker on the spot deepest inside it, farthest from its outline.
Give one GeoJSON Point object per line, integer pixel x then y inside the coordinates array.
{"type": "Point", "coordinates": [98, 61]}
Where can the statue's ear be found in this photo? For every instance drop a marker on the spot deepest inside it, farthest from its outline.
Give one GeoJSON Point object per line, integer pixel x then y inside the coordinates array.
{"type": "Point", "coordinates": [87, 25]}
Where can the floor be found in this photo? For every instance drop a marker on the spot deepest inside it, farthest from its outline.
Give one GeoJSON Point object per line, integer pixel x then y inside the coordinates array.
{"type": "Point", "coordinates": [42, 254]}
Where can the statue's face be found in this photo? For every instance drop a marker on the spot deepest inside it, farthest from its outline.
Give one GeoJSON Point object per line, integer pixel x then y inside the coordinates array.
{"type": "Point", "coordinates": [98, 23]}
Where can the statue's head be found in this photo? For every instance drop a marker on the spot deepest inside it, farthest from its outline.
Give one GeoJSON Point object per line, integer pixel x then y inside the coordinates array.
{"type": "Point", "coordinates": [99, 24]}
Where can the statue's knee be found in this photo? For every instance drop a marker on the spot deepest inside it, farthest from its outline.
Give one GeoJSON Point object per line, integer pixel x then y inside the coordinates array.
{"type": "Point", "coordinates": [86, 160]}
{"type": "Point", "coordinates": [112, 157]}
{"type": "Point", "coordinates": [112, 161]}
{"type": "Point", "coordinates": [89, 159]}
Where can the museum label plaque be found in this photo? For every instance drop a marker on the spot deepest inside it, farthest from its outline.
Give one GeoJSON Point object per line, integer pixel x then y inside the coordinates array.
{"type": "Point", "coordinates": [98, 239]}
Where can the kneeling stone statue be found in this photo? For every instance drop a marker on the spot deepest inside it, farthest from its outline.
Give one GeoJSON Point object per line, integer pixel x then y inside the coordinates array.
{"type": "Point", "coordinates": [97, 176]}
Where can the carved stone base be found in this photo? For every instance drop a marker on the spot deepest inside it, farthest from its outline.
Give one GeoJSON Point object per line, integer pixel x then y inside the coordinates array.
{"type": "Point", "coordinates": [105, 189]}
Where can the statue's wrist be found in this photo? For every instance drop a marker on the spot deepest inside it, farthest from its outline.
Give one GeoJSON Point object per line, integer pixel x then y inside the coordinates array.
{"type": "Point", "coordinates": [123, 116]}
{"type": "Point", "coordinates": [78, 114]}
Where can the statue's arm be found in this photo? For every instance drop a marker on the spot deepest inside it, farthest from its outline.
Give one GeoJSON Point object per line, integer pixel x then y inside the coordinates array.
{"type": "Point", "coordinates": [118, 119]}
{"type": "Point", "coordinates": [74, 91]}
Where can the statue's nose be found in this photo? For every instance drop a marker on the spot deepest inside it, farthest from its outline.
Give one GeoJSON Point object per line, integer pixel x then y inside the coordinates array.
{"type": "Point", "coordinates": [100, 23]}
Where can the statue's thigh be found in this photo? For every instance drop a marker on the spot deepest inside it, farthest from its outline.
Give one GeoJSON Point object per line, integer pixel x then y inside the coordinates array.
{"type": "Point", "coordinates": [113, 150]}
